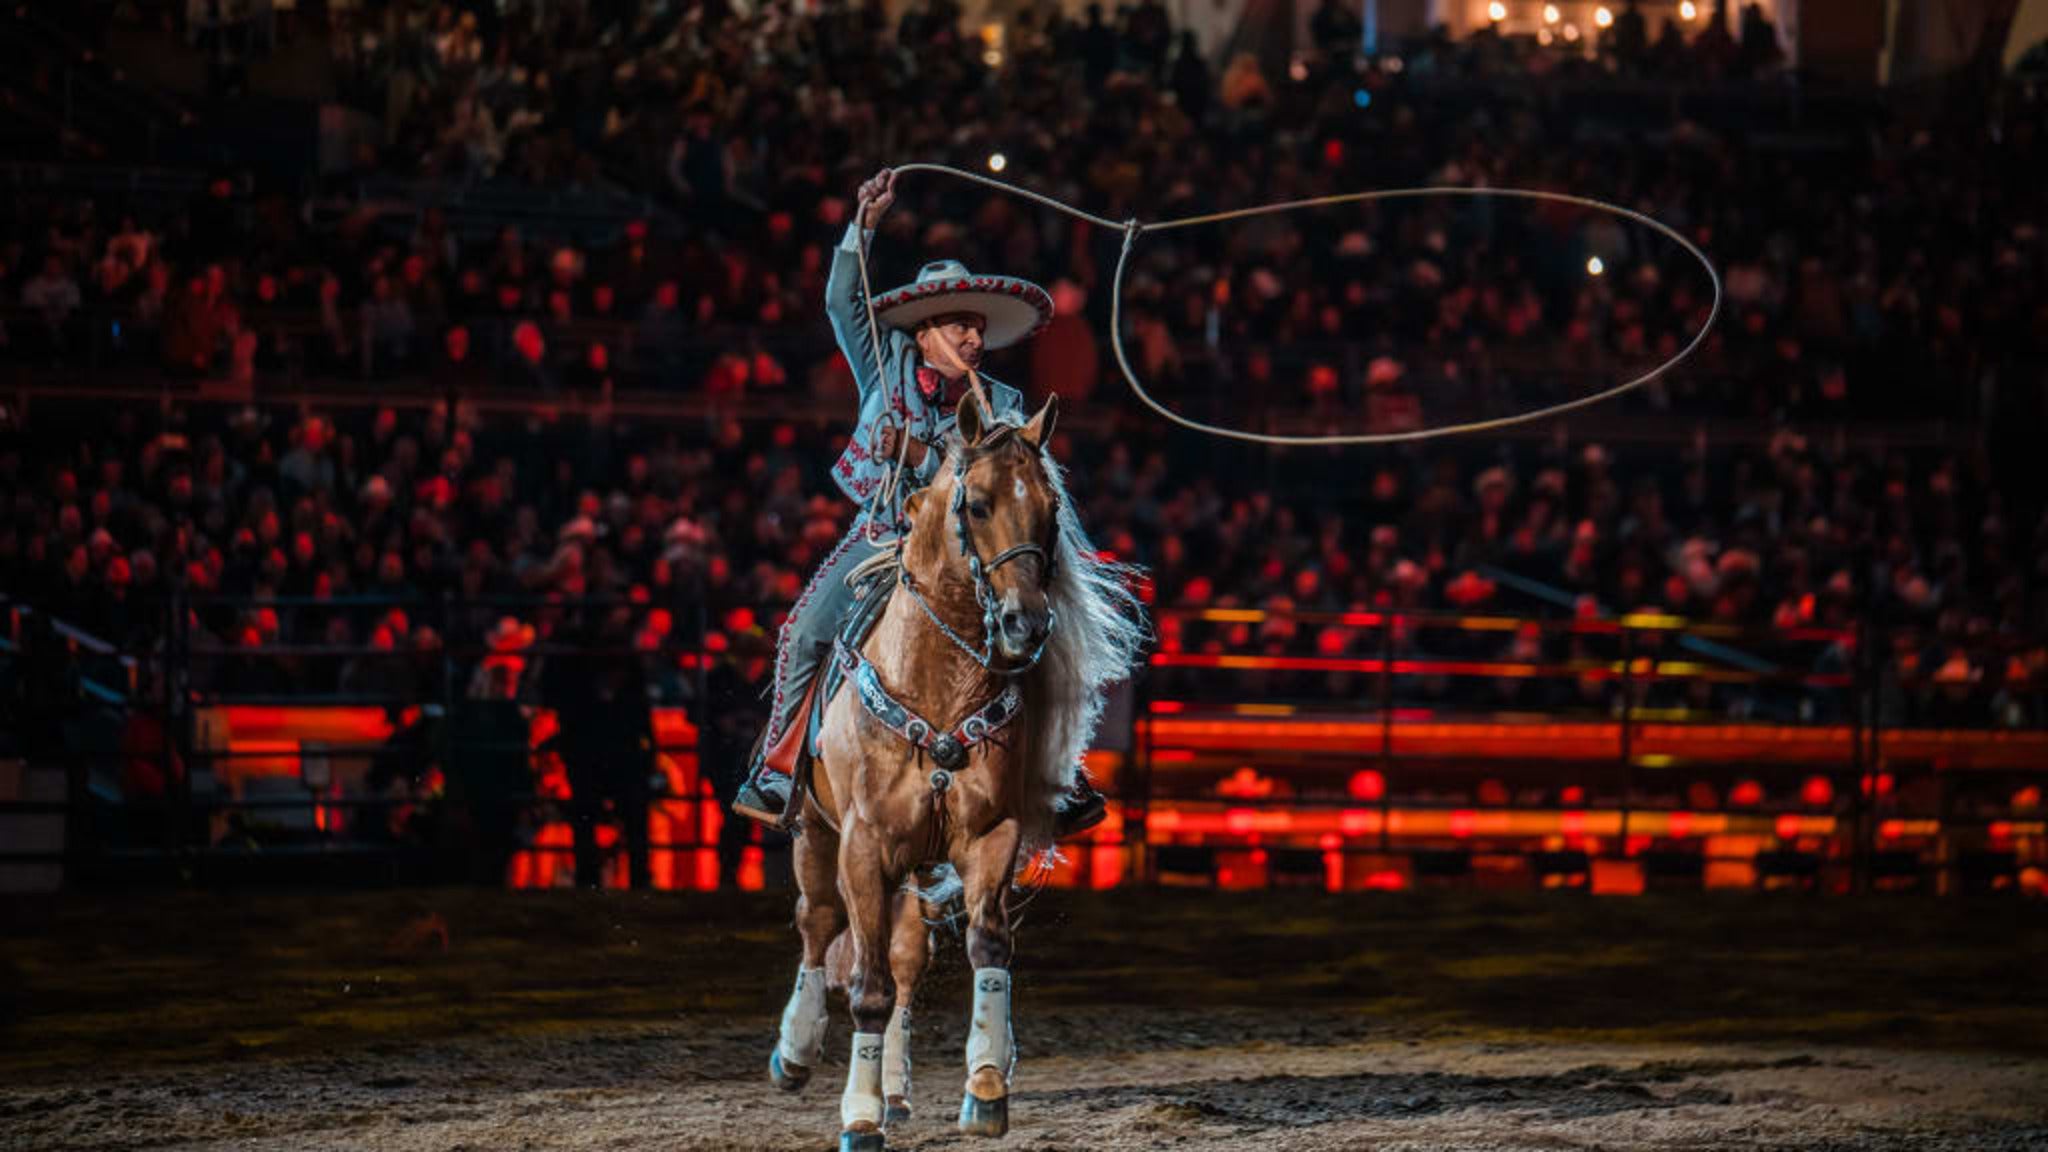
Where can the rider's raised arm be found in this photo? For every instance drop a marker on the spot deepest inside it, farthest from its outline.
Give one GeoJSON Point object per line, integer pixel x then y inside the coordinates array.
{"type": "Point", "coordinates": [848, 313]}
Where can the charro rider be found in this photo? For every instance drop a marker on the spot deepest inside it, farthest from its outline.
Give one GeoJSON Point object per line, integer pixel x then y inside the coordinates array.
{"type": "Point", "coordinates": [932, 331]}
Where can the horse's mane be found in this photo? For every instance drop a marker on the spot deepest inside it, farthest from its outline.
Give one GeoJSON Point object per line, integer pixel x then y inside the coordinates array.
{"type": "Point", "coordinates": [1098, 631]}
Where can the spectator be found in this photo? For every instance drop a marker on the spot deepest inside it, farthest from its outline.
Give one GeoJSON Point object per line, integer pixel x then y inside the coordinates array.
{"type": "Point", "coordinates": [53, 296]}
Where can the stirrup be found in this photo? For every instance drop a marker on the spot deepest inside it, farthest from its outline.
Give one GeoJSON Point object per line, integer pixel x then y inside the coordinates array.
{"type": "Point", "coordinates": [1078, 812]}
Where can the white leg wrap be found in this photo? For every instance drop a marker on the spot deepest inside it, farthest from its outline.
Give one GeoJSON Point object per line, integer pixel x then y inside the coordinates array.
{"type": "Point", "coordinates": [862, 1099]}
{"type": "Point", "coordinates": [803, 1020]}
{"type": "Point", "coordinates": [989, 1044]}
{"type": "Point", "coordinates": [896, 1055]}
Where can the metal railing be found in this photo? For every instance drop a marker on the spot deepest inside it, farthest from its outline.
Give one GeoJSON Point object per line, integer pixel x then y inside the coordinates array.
{"type": "Point", "coordinates": [1346, 749]}
{"type": "Point", "coordinates": [1422, 742]}
{"type": "Point", "coordinates": [101, 357]}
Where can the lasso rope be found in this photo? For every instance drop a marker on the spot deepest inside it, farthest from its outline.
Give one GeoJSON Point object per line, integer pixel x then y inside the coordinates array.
{"type": "Point", "coordinates": [1133, 228]}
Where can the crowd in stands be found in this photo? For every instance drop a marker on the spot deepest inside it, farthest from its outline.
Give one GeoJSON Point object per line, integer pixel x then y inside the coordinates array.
{"type": "Point", "coordinates": [279, 531]}
{"type": "Point", "coordinates": [1887, 265]}
{"type": "Point", "coordinates": [1897, 271]}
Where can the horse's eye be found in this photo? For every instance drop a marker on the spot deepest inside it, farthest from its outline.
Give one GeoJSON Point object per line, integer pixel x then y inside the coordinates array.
{"type": "Point", "coordinates": [978, 509]}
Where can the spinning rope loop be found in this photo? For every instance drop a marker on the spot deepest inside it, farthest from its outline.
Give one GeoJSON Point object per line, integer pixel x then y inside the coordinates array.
{"type": "Point", "coordinates": [1134, 228]}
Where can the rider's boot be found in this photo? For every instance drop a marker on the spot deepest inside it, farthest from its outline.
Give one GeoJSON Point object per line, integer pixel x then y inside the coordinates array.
{"type": "Point", "coordinates": [764, 796]}
{"type": "Point", "coordinates": [1078, 809]}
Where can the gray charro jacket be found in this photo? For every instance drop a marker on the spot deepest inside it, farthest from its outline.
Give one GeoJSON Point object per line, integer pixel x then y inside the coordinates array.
{"type": "Point", "coordinates": [893, 399]}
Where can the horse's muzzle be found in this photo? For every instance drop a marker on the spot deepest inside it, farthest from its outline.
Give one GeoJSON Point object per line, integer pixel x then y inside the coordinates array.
{"type": "Point", "coordinates": [1020, 633]}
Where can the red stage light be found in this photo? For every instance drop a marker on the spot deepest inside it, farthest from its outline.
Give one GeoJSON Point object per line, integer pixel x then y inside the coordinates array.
{"type": "Point", "coordinates": [1817, 792]}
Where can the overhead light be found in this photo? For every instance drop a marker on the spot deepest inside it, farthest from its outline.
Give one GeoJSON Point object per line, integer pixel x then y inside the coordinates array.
{"type": "Point", "coordinates": [1571, 33]}
{"type": "Point", "coordinates": [992, 58]}
{"type": "Point", "coordinates": [1544, 37]}
{"type": "Point", "coordinates": [1551, 15]}
{"type": "Point", "coordinates": [1603, 16]}
{"type": "Point", "coordinates": [1689, 10]}
{"type": "Point", "coordinates": [1496, 11]}
{"type": "Point", "coordinates": [997, 162]}
{"type": "Point", "coordinates": [1596, 267]}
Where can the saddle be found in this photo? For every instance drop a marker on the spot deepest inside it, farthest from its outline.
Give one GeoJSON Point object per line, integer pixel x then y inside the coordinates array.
{"type": "Point", "coordinates": [793, 753]}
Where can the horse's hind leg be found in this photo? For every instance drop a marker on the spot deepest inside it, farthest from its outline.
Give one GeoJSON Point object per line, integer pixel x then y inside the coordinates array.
{"type": "Point", "coordinates": [987, 869]}
{"type": "Point", "coordinates": [820, 916]}
{"type": "Point", "coordinates": [909, 950]}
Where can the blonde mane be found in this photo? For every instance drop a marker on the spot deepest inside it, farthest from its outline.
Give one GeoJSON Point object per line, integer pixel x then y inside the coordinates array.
{"type": "Point", "coordinates": [1099, 632]}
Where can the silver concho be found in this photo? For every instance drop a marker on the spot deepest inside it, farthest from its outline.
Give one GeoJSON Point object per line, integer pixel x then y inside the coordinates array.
{"type": "Point", "coordinates": [947, 752]}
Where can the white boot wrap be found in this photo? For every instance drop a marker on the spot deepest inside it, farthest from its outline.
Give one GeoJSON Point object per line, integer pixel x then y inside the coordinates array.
{"type": "Point", "coordinates": [862, 1100]}
{"type": "Point", "coordinates": [989, 1044]}
{"type": "Point", "coordinates": [896, 1055]}
{"type": "Point", "coordinates": [803, 1020]}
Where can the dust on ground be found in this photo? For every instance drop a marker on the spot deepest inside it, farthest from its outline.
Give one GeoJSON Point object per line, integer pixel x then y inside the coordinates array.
{"type": "Point", "coordinates": [1281, 1020]}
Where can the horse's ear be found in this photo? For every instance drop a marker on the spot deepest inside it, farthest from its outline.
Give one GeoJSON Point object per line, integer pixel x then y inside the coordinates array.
{"type": "Point", "coordinates": [969, 420]}
{"type": "Point", "coordinates": [1040, 429]}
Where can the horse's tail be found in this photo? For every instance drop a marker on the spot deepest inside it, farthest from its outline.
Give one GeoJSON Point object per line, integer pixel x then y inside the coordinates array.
{"type": "Point", "coordinates": [943, 886]}
{"type": "Point", "coordinates": [939, 898]}
{"type": "Point", "coordinates": [839, 962]}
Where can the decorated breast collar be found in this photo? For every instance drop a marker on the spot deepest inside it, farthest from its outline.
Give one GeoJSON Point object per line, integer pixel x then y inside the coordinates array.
{"type": "Point", "coordinates": [947, 749]}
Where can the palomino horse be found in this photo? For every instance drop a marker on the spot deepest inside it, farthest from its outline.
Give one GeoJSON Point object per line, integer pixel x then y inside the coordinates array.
{"type": "Point", "coordinates": [970, 702]}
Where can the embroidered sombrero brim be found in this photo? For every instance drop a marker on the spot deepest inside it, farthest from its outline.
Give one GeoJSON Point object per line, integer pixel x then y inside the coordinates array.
{"type": "Point", "coordinates": [1014, 309]}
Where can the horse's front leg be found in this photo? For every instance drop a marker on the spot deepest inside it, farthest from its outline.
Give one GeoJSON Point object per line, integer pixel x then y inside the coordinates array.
{"type": "Point", "coordinates": [820, 917]}
{"type": "Point", "coordinates": [868, 892]}
{"type": "Point", "coordinates": [987, 867]}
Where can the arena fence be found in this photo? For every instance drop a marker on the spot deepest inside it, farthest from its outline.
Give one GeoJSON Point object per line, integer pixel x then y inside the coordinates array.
{"type": "Point", "coordinates": [1343, 750]}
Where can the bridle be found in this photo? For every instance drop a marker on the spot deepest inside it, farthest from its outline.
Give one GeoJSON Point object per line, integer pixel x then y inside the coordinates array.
{"type": "Point", "coordinates": [979, 572]}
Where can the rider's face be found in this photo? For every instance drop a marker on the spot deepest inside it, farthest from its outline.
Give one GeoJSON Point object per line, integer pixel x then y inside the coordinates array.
{"type": "Point", "coordinates": [962, 332]}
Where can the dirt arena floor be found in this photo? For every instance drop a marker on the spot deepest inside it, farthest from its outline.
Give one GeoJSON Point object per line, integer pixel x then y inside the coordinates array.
{"type": "Point", "coordinates": [1173, 1020]}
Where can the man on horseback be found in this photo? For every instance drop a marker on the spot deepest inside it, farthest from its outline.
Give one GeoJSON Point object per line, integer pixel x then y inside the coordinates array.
{"type": "Point", "coordinates": [932, 332]}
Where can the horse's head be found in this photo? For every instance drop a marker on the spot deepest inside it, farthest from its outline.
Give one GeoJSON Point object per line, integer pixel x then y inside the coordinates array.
{"type": "Point", "coordinates": [992, 506]}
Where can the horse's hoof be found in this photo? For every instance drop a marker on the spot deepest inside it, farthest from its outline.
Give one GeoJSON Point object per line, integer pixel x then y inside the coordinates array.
{"type": "Point", "coordinates": [980, 1117]}
{"type": "Point", "coordinates": [790, 1076]}
{"type": "Point", "coordinates": [897, 1112]}
{"type": "Point", "coordinates": [867, 1140]}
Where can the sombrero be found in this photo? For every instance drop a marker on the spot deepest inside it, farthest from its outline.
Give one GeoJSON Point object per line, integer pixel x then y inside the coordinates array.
{"type": "Point", "coordinates": [1014, 309]}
